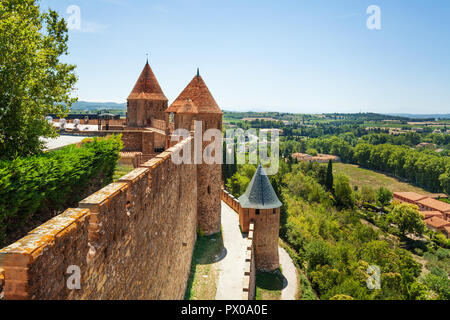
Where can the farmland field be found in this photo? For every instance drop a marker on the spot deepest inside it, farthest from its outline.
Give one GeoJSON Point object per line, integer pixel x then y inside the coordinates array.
{"type": "Point", "coordinates": [359, 176]}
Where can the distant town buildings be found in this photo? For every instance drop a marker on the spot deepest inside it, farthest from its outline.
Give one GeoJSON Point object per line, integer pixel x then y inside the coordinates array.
{"type": "Point", "coordinates": [436, 213]}
{"type": "Point", "coordinates": [321, 158]}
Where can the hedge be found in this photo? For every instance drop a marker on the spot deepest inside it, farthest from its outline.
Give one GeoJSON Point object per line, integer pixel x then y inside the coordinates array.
{"type": "Point", "coordinates": [48, 182]}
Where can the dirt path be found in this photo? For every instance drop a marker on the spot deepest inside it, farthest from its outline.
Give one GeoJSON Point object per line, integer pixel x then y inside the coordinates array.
{"type": "Point", "coordinates": [290, 273]}
{"type": "Point", "coordinates": [231, 268]}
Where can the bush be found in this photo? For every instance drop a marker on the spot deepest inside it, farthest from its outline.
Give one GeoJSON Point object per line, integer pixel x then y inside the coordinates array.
{"type": "Point", "coordinates": [318, 254]}
{"type": "Point", "coordinates": [46, 183]}
{"type": "Point", "coordinates": [343, 192]}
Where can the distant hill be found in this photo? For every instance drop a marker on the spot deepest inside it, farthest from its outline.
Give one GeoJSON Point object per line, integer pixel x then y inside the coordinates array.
{"type": "Point", "coordinates": [421, 116]}
{"type": "Point", "coordinates": [95, 106]}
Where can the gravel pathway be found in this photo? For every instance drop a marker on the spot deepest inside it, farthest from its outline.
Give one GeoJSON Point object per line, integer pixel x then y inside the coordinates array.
{"type": "Point", "coordinates": [231, 268]}
{"type": "Point", "coordinates": [290, 273]}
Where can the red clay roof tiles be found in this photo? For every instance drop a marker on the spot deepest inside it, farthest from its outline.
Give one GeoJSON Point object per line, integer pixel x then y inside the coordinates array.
{"type": "Point", "coordinates": [147, 87]}
{"type": "Point", "coordinates": [436, 222]}
{"type": "Point", "coordinates": [435, 204]}
{"type": "Point", "coordinates": [412, 196]}
{"type": "Point", "coordinates": [200, 95]}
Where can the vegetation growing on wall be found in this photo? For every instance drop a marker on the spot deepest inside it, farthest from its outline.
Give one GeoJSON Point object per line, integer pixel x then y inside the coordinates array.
{"type": "Point", "coordinates": [44, 184]}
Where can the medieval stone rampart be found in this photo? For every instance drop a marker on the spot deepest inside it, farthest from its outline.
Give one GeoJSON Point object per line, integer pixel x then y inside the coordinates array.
{"type": "Point", "coordinates": [132, 239]}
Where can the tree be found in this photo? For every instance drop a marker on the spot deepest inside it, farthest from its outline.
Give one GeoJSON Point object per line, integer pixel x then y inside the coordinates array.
{"type": "Point", "coordinates": [329, 177]}
{"type": "Point", "coordinates": [318, 254]}
{"type": "Point", "coordinates": [312, 152]}
{"type": "Point", "coordinates": [33, 80]}
{"type": "Point", "coordinates": [407, 218]}
{"type": "Point", "coordinates": [384, 196]}
{"type": "Point", "coordinates": [343, 192]}
{"type": "Point", "coordinates": [367, 194]}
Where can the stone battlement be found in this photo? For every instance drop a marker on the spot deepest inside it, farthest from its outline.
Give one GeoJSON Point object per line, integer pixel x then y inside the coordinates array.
{"type": "Point", "coordinates": [132, 239]}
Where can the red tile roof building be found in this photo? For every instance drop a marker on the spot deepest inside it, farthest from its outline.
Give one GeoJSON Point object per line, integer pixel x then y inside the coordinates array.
{"type": "Point", "coordinates": [429, 204]}
{"type": "Point", "coordinates": [410, 197]}
{"type": "Point", "coordinates": [436, 213]}
{"type": "Point", "coordinates": [437, 223]}
{"type": "Point", "coordinates": [429, 214]}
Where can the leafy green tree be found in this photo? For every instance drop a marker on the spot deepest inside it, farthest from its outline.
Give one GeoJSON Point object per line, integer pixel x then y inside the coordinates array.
{"type": "Point", "coordinates": [312, 152]}
{"type": "Point", "coordinates": [367, 194]}
{"type": "Point", "coordinates": [384, 196]}
{"type": "Point", "coordinates": [407, 218]}
{"type": "Point", "coordinates": [341, 297]}
{"type": "Point", "coordinates": [33, 80]}
{"type": "Point", "coordinates": [318, 254]}
{"type": "Point", "coordinates": [444, 179]}
{"type": "Point", "coordinates": [418, 291]}
{"type": "Point", "coordinates": [439, 284]}
{"type": "Point", "coordinates": [343, 192]}
{"type": "Point", "coordinates": [329, 177]}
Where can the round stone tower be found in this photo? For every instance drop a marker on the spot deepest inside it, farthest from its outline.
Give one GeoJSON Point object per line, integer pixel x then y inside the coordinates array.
{"type": "Point", "coordinates": [146, 101]}
{"type": "Point", "coordinates": [196, 104]}
{"type": "Point", "coordinates": [264, 206]}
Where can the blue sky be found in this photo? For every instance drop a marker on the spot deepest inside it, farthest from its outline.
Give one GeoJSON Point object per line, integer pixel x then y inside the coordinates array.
{"type": "Point", "coordinates": [293, 56]}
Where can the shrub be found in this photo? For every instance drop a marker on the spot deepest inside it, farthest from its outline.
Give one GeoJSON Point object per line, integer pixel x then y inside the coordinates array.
{"type": "Point", "coordinates": [46, 183]}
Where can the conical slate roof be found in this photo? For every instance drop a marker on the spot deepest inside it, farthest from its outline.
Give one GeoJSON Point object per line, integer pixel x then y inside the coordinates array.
{"type": "Point", "coordinates": [147, 87]}
{"type": "Point", "coordinates": [259, 193]}
{"type": "Point", "coordinates": [199, 93]}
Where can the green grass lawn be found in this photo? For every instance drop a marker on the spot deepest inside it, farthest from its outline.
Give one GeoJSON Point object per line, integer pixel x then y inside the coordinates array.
{"type": "Point", "coordinates": [202, 283]}
{"type": "Point", "coordinates": [360, 177]}
{"type": "Point", "coordinates": [121, 171]}
{"type": "Point", "coordinates": [269, 285]}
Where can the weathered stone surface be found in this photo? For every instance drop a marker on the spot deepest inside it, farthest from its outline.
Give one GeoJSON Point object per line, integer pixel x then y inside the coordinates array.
{"type": "Point", "coordinates": [266, 233]}
{"type": "Point", "coordinates": [131, 240]}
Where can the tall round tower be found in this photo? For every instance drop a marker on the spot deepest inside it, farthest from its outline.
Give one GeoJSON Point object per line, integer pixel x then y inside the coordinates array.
{"type": "Point", "coordinates": [264, 206]}
{"type": "Point", "coordinates": [146, 101]}
{"type": "Point", "coordinates": [196, 103]}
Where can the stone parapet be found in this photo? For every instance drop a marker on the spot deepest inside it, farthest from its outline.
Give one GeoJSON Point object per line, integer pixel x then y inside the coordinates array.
{"type": "Point", "coordinates": [133, 239]}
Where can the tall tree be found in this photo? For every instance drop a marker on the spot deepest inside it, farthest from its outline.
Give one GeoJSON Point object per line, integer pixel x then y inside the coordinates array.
{"type": "Point", "coordinates": [384, 196]}
{"type": "Point", "coordinates": [33, 80]}
{"type": "Point", "coordinates": [343, 192]}
{"type": "Point", "coordinates": [329, 177]}
{"type": "Point", "coordinates": [408, 219]}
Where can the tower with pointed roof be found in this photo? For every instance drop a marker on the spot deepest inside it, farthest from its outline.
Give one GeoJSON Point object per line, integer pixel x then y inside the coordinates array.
{"type": "Point", "coordinates": [146, 101]}
{"type": "Point", "coordinates": [196, 103]}
{"type": "Point", "coordinates": [261, 205]}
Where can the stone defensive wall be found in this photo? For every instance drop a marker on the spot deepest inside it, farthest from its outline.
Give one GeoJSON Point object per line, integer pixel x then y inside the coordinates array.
{"type": "Point", "coordinates": [133, 239]}
{"type": "Point", "coordinates": [248, 285]}
{"type": "Point", "coordinates": [249, 274]}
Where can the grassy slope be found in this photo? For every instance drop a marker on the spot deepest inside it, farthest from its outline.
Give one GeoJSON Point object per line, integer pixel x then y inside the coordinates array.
{"type": "Point", "coordinates": [360, 177]}
{"type": "Point", "coordinates": [202, 283]}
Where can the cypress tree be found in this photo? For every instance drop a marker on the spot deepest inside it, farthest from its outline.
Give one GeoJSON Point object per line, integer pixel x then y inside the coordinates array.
{"type": "Point", "coordinates": [329, 178]}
